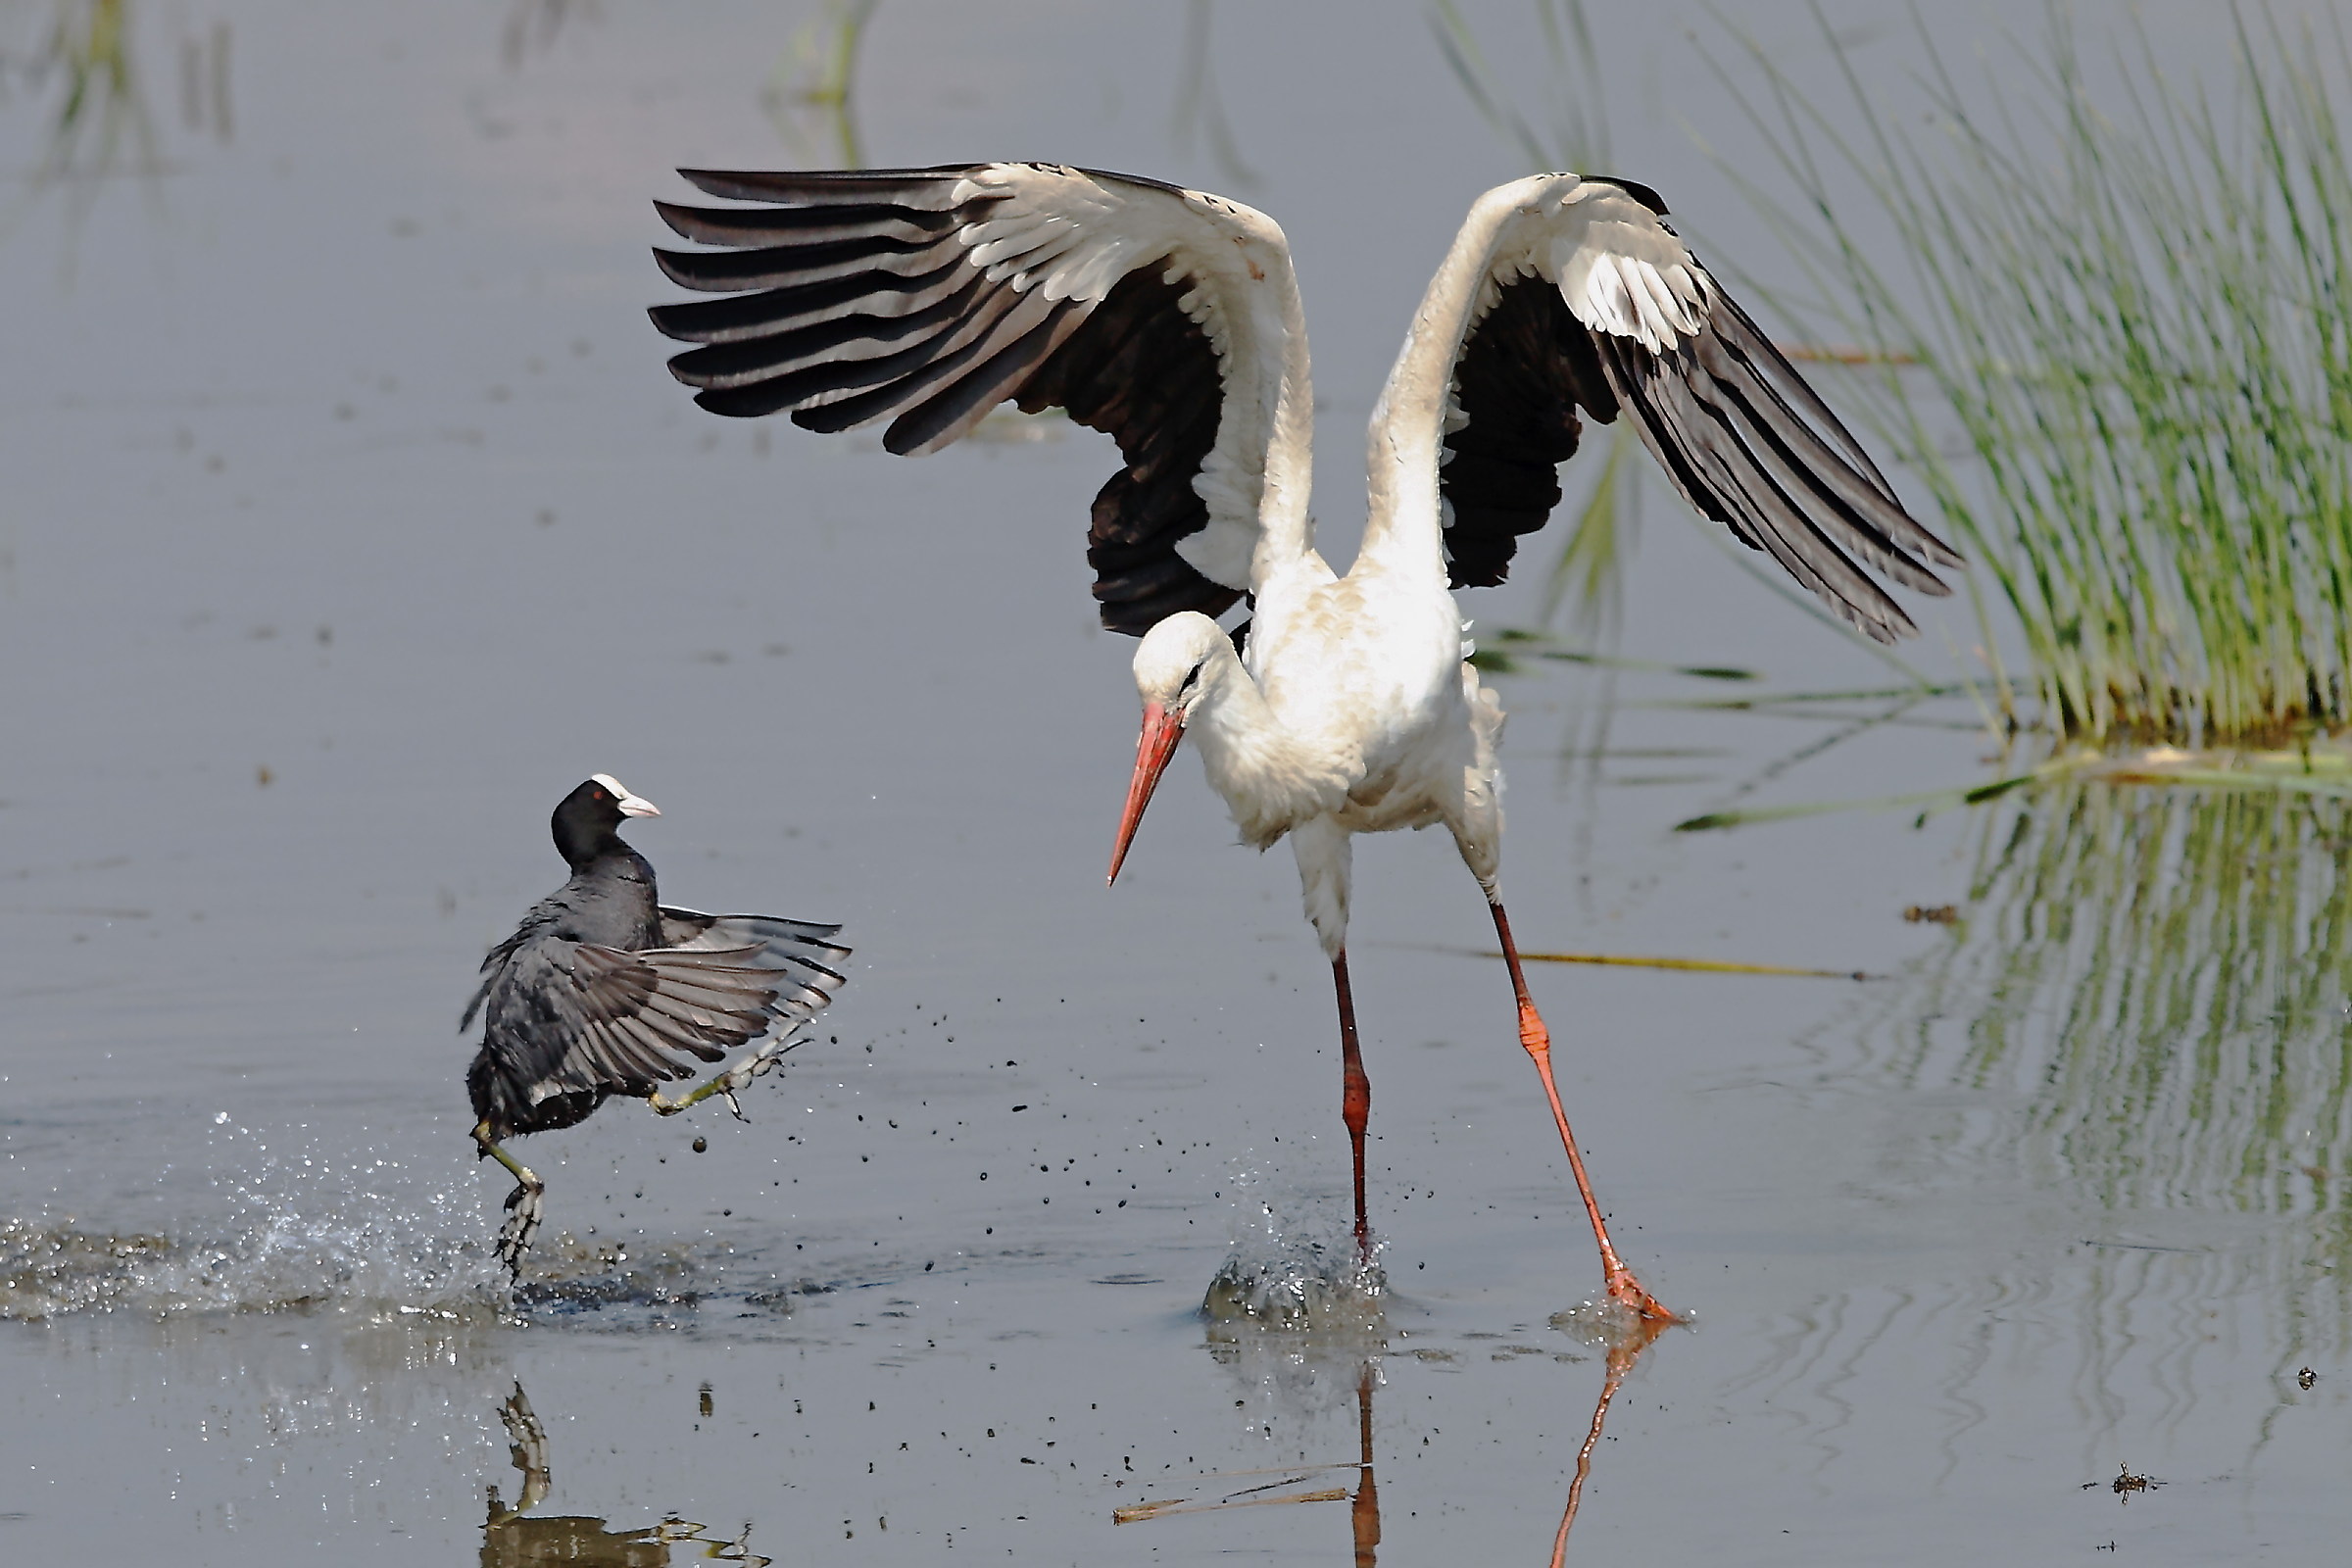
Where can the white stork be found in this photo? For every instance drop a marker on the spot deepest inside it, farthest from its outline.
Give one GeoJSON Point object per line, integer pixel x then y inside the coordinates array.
{"type": "Point", "coordinates": [1171, 319]}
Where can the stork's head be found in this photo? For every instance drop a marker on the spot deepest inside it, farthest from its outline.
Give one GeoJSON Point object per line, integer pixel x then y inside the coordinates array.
{"type": "Point", "coordinates": [1174, 665]}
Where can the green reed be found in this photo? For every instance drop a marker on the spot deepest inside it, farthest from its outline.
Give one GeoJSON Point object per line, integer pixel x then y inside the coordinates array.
{"type": "Point", "coordinates": [2133, 303]}
{"type": "Point", "coordinates": [2150, 990]}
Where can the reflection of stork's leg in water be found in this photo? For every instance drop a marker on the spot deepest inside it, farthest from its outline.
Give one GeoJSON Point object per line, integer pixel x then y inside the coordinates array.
{"type": "Point", "coordinates": [1622, 1356]}
{"type": "Point", "coordinates": [1364, 1512]}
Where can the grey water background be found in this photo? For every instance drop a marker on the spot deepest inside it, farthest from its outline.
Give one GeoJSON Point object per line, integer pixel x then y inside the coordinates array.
{"type": "Point", "coordinates": [351, 518]}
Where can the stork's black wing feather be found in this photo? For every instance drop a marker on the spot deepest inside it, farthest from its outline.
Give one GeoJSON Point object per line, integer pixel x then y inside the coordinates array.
{"type": "Point", "coordinates": [1738, 431]}
{"type": "Point", "coordinates": [854, 299]}
{"type": "Point", "coordinates": [1143, 373]}
{"type": "Point", "coordinates": [1525, 371]}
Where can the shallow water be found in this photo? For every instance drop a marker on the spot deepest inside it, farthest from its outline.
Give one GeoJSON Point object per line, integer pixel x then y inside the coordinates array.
{"type": "Point", "coordinates": [353, 519]}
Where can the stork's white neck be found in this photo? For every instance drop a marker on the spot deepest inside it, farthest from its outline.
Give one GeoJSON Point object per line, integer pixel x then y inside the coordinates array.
{"type": "Point", "coordinates": [1401, 532]}
{"type": "Point", "coordinates": [1286, 531]}
{"type": "Point", "coordinates": [1269, 776]}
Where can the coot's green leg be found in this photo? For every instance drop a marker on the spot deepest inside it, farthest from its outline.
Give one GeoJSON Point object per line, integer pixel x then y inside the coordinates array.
{"type": "Point", "coordinates": [524, 1209]}
{"type": "Point", "coordinates": [727, 1083]}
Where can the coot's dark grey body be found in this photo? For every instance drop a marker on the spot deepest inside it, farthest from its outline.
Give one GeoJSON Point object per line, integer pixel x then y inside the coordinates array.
{"type": "Point", "coordinates": [601, 987]}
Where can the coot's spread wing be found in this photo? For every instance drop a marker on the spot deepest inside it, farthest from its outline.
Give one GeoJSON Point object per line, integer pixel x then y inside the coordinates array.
{"type": "Point", "coordinates": [800, 954]}
{"type": "Point", "coordinates": [569, 1016]}
{"type": "Point", "coordinates": [1582, 297]}
{"type": "Point", "coordinates": [569, 1023]}
{"type": "Point", "coordinates": [927, 296]}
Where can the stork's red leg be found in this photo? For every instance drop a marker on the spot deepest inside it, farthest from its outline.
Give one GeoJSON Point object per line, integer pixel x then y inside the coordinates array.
{"type": "Point", "coordinates": [1364, 1512]}
{"type": "Point", "coordinates": [1355, 1094]}
{"type": "Point", "coordinates": [1623, 1288]}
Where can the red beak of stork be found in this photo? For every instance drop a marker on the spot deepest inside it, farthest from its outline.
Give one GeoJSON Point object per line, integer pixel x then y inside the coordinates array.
{"type": "Point", "coordinates": [1153, 750]}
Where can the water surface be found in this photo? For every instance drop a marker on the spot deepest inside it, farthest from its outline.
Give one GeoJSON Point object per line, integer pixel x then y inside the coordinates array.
{"type": "Point", "coordinates": [353, 519]}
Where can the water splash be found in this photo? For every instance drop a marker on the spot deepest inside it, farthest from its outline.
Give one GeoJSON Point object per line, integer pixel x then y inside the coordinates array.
{"type": "Point", "coordinates": [286, 1220]}
{"type": "Point", "coordinates": [49, 1270]}
{"type": "Point", "coordinates": [380, 1260]}
{"type": "Point", "coordinates": [268, 1221]}
{"type": "Point", "coordinates": [1296, 1270]}
{"type": "Point", "coordinates": [1609, 1325]}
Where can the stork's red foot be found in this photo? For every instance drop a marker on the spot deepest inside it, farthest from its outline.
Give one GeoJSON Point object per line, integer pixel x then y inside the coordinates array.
{"type": "Point", "coordinates": [1626, 1292]}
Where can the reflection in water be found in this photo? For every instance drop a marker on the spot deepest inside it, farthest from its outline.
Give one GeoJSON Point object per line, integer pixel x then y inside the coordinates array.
{"type": "Point", "coordinates": [203, 100]}
{"type": "Point", "coordinates": [1363, 1511]}
{"type": "Point", "coordinates": [98, 119]}
{"type": "Point", "coordinates": [80, 65]}
{"type": "Point", "coordinates": [2149, 987]}
{"type": "Point", "coordinates": [1298, 1365]}
{"type": "Point", "coordinates": [532, 26]}
{"type": "Point", "coordinates": [2128, 1061]}
{"type": "Point", "coordinates": [515, 1537]}
{"type": "Point", "coordinates": [809, 94]}
{"type": "Point", "coordinates": [1201, 108]}
{"type": "Point", "coordinates": [1623, 1350]}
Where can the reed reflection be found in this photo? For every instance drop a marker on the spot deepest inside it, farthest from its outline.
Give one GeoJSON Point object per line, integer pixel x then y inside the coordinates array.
{"type": "Point", "coordinates": [532, 27]}
{"type": "Point", "coordinates": [516, 1537]}
{"type": "Point", "coordinates": [2126, 1065]}
{"type": "Point", "coordinates": [2152, 986]}
{"type": "Point", "coordinates": [78, 67]}
{"type": "Point", "coordinates": [811, 94]}
{"type": "Point", "coordinates": [1200, 112]}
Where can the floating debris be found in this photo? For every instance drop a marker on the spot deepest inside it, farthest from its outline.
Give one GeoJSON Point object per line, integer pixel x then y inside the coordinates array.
{"type": "Point", "coordinates": [1161, 1508]}
{"type": "Point", "coordinates": [1697, 965]}
{"type": "Point", "coordinates": [2126, 1483]}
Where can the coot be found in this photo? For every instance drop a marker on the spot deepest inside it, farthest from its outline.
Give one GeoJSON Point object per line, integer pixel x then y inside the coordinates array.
{"type": "Point", "coordinates": [602, 990]}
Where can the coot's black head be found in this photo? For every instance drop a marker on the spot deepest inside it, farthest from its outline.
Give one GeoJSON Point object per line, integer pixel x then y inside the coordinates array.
{"type": "Point", "coordinates": [584, 823]}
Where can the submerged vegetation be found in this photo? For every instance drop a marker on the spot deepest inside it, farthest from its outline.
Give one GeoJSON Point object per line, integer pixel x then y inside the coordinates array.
{"type": "Point", "coordinates": [2133, 304]}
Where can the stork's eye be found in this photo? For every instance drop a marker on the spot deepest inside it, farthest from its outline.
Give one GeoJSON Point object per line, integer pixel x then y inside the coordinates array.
{"type": "Point", "coordinates": [1192, 678]}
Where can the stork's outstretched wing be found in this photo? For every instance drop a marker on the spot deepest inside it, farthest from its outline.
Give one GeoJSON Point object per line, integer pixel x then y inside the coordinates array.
{"type": "Point", "coordinates": [926, 297]}
{"type": "Point", "coordinates": [1564, 295]}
